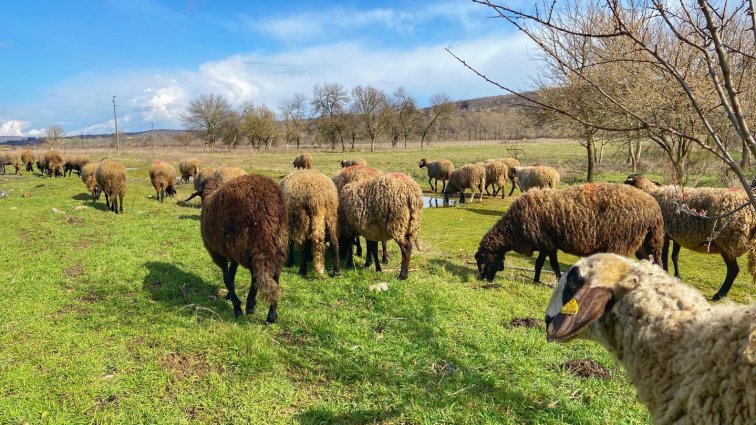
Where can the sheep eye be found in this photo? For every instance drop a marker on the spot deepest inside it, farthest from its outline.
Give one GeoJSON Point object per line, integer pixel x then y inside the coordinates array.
{"type": "Point", "coordinates": [572, 285]}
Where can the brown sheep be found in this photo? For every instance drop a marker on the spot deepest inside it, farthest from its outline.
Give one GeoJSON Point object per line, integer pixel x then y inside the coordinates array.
{"type": "Point", "coordinates": [88, 177]}
{"type": "Point", "coordinates": [222, 174]}
{"type": "Point", "coordinates": [581, 220]}
{"type": "Point", "coordinates": [386, 207]}
{"type": "Point", "coordinates": [313, 202]}
{"type": "Point", "coordinates": [510, 163]}
{"type": "Point", "coordinates": [437, 170]}
{"type": "Point", "coordinates": [189, 168]}
{"type": "Point", "coordinates": [496, 177]}
{"type": "Point", "coordinates": [9, 158]}
{"type": "Point", "coordinates": [111, 178]}
{"type": "Point", "coordinates": [245, 221]}
{"type": "Point", "coordinates": [27, 158]}
{"type": "Point", "coordinates": [537, 176]}
{"type": "Point", "coordinates": [54, 164]}
{"type": "Point", "coordinates": [76, 162]}
{"type": "Point", "coordinates": [163, 178]}
{"type": "Point", "coordinates": [349, 162]}
{"type": "Point", "coordinates": [303, 161]}
{"type": "Point", "coordinates": [200, 178]}
{"type": "Point", "coordinates": [472, 176]}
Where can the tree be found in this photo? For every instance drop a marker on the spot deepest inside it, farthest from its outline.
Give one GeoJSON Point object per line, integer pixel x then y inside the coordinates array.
{"type": "Point", "coordinates": [441, 109]}
{"type": "Point", "coordinates": [207, 113]}
{"type": "Point", "coordinates": [260, 126]}
{"type": "Point", "coordinates": [329, 104]}
{"type": "Point", "coordinates": [54, 136]}
{"type": "Point", "coordinates": [230, 132]}
{"type": "Point", "coordinates": [407, 116]}
{"type": "Point", "coordinates": [369, 105]}
{"type": "Point", "coordinates": [294, 111]}
{"type": "Point", "coordinates": [185, 138]}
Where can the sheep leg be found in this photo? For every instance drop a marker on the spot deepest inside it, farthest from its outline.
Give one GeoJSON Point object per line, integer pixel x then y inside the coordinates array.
{"type": "Point", "coordinates": [272, 315]}
{"type": "Point", "coordinates": [443, 186]}
{"type": "Point", "coordinates": [462, 196]}
{"type": "Point", "coordinates": [107, 201]}
{"type": "Point", "coordinates": [368, 255]}
{"type": "Point", "coordinates": [359, 246]}
{"type": "Point", "coordinates": [336, 261]}
{"type": "Point", "coordinates": [675, 255]}
{"type": "Point", "coordinates": [430, 183]}
{"type": "Point", "coordinates": [539, 265]}
{"type": "Point", "coordinates": [487, 192]}
{"type": "Point", "coordinates": [554, 262]}
{"type": "Point", "coordinates": [513, 188]}
{"type": "Point", "coordinates": [229, 276]}
{"type": "Point", "coordinates": [732, 273]}
{"type": "Point", "coordinates": [306, 249]}
{"type": "Point", "coordinates": [406, 249]}
{"type": "Point", "coordinates": [252, 296]}
{"type": "Point", "coordinates": [665, 254]}
{"type": "Point", "coordinates": [120, 202]}
{"type": "Point", "coordinates": [385, 257]}
{"type": "Point", "coordinates": [372, 253]}
{"type": "Point", "coordinates": [290, 259]}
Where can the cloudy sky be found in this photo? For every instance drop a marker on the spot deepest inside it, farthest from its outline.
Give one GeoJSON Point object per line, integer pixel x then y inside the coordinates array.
{"type": "Point", "coordinates": [61, 62]}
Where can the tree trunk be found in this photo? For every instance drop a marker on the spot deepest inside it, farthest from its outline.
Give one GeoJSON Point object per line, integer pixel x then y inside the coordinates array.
{"type": "Point", "coordinates": [353, 137]}
{"type": "Point", "coordinates": [372, 144]}
{"type": "Point", "coordinates": [601, 153]}
{"type": "Point", "coordinates": [589, 150]}
{"type": "Point", "coordinates": [745, 161]}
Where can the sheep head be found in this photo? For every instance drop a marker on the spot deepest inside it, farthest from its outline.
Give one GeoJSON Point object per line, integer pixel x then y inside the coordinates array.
{"type": "Point", "coordinates": [641, 182]}
{"type": "Point", "coordinates": [585, 294]}
{"type": "Point", "coordinates": [489, 263]}
{"type": "Point", "coordinates": [422, 163]}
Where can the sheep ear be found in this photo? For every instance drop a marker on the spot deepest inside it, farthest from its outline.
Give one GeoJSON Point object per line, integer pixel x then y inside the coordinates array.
{"type": "Point", "coordinates": [587, 306]}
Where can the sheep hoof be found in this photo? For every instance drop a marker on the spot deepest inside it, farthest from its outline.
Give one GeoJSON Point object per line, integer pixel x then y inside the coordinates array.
{"type": "Point", "coordinates": [237, 312]}
{"type": "Point", "coordinates": [272, 317]}
{"type": "Point", "coordinates": [336, 273]}
{"type": "Point", "coordinates": [717, 297]}
{"type": "Point", "coordinates": [251, 310]}
{"type": "Point", "coordinates": [402, 277]}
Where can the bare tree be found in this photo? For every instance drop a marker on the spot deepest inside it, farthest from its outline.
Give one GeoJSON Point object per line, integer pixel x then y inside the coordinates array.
{"type": "Point", "coordinates": [294, 111]}
{"type": "Point", "coordinates": [369, 104]}
{"type": "Point", "coordinates": [54, 136]}
{"type": "Point", "coordinates": [259, 124]}
{"type": "Point", "coordinates": [185, 138]}
{"type": "Point", "coordinates": [329, 103]}
{"type": "Point", "coordinates": [406, 113]}
{"type": "Point", "coordinates": [230, 132]}
{"type": "Point", "coordinates": [441, 109]}
{"type": "Point", "coordinates": [207, 113]}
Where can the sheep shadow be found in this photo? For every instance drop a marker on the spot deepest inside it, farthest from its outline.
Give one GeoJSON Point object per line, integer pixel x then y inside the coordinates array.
{"type": "Point", "coordinates": [464, 273]}
{"type": "Point", "coordinates": [175, 287]}
{"type": "Point", "coordinates": [189, 217]}
{"type": "Point", "coordinates": [320, 415]}
{"type": "Point", "coordinates": [87, 197]}
{"type": "Point", "coordinates": [485, 212]}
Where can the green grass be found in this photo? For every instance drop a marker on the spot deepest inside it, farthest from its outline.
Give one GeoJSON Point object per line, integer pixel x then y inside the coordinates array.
{"type": "Point", "coordinates": [95, 327]}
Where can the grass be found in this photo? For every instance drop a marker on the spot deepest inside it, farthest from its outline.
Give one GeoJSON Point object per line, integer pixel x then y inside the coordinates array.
{"type": "Point", "coordinates": [121, 319]}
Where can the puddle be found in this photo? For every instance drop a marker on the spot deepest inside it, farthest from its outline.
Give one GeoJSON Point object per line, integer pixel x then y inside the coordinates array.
{"type": "Point", "coordinates": [436, 202]}
{"type": "Point", "coordinates": [131, 168]}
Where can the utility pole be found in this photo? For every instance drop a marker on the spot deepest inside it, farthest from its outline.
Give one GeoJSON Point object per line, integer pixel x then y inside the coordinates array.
{"type": "Point", "coordinates": [115, 120]}
{"type": "Point", "coordinates": [152, 133]}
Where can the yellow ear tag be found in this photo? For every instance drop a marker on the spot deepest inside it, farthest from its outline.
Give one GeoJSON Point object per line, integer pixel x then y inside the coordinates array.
{"type": "Point", "coordinates": [571, 307]}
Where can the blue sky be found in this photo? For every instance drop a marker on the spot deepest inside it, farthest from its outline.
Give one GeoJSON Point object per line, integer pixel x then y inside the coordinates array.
{"type": "Point", "coordinates": [62, 61]}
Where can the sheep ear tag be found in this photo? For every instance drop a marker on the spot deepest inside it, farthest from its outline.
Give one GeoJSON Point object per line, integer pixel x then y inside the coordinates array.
{"type": "Point", "coordinates": [570, 308]}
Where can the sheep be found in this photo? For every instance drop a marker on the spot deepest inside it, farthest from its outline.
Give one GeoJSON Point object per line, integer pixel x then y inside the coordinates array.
{"type": "Point", "coordinates": [27, 159]}
{"type": "Point", "coordinates": [581, 220]}
{"type": "Point", "coordinates": [691, 362]}
{"type": "Point", "coordinates": [348, 175]}
{"type": "Point", "coordinates": [730, 238]}
{"type": "Point", "coordinates": [163, 178]}
{"type": "Point", "coordinates": [510, 163]}
{"type": "Point", "coordinates": [111, 178]}
{"type": "Point", "coordinates": [437, 170]}
{"type": "Point", "coordinates": [225, 174]}
{"type": "Point", "coordinates": [222, 174]}
{"type": "Point", "coordinates": [203, 175]}
{"type": "Point", "coordinates": [472, 176]}
{"type": "Point", "coordinates": [303, 161]}
{"type": "Point", "coordinates": [189, 168]}
{"type": "Point", "coordinates": [54, 163]}
{"type": "Point", "coordinates": [496, 177]}
{"type": "Point", "coordinates": [313, 202]}
{"type": "Point", "coordinates": [9, 158]}
{"type": "Point", "coordinates": [538, 176]}
{"type": "Point", "coordinates": [245, 221]}
{"type": "Point", "coordinates": [88, 177]}
{"type": "Point", "coordinates": [76, 162]}
{"type": "Point", "coordinates": [349, 162]}
{"type": "Point", "coordinates": [385, 207]}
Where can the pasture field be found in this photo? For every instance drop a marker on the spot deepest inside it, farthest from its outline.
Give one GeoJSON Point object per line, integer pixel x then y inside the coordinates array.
{"type": "Point", "coordinates": [121, 318]}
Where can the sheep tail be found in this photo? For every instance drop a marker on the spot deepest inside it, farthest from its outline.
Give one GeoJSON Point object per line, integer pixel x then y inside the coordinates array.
{"type": "Point", "coordinates": [414, 221]}
{"type": "Point", "coordinates": [268, 290]}
{"type": "Point", "coordinates": [752, 261]}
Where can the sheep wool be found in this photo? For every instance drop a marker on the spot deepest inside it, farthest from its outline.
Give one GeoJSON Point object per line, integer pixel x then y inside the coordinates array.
{"type": "Point", "coordinates": [470, 176]}
{"type": "Point", "coordinates": [691, 362]}
{"type": "Point", "coordinates": [10, 158]}
{"type": "Point", "coordinates": [537, 176]}
{"type": "Point", "coordinates": [189, 168]}
{"type": "Point", "coordinates": [245, 222]}
{"type": "Point", "coordinates": [88, 177]}
{"type": "Point", "coordinates": [200, 178]}
{"type": "Point", "coordinates": [581, 220]}
{"type": "Point", "coordinates": [350, 162]}
{"type": "Point", "coordinates": [163, 178]}
{"type": "Point", "coordinates": [353, 174]}
{"type": "Point", "coordinates": [55, 164]}
{"type": "Point", "coordinates": [303, 161]}
{"type": "Point", "coordinates": [27, 159]}
{"type": "Point", "coordinates": [437, 170]}
{"type": "Point", "coordinates": [111, 179]}
{"type": "Point", "coordinates": [75, 163]}
{"type": "Point", "coordinates": [496, 177]}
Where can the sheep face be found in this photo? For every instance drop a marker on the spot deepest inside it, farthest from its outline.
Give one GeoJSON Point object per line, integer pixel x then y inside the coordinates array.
{"type": "Point", "coordinates": [422, 163]}
{"type": "Point", "coordinates": [489, 263]}
{"type": "Point", "coordinates": [584, 295]}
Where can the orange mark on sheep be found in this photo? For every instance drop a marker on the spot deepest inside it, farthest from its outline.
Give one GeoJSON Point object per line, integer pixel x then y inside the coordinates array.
{"type": "Point", "coordinates": [400, 176]}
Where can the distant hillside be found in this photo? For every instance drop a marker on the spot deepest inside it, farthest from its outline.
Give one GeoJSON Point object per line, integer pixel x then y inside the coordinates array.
{"type": "Point", "coordinates": [493, 103]}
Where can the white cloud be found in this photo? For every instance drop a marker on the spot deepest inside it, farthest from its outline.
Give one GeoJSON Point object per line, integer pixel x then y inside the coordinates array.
{"type": "Point", "coordinates": [18, 128]}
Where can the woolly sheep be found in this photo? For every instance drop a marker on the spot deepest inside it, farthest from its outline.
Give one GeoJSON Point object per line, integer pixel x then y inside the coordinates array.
{"type": "Point", "coordinates": [75, 163]}
{"type": "Point", "coordinates": [189, 168]}
{"type": "Point", "coordinates": [349, 162]}
{"type": "Point", "coordinates": [730, 238]}
{"type": "Point", "coordinates": [27, 158]}
{"type": "Point", "coordinates": [222, 174]}
{"type": "Point", "coordinates": [510, 163]}
{"type": "Point", "coordinates": [537, 176]}
{"type": "Point", "coordinates": [437, 170]}
{"type": "Point", "coordinates": [303, 161]}
{"type": "Point", "coordinates": [386, 207]}
{"type": "Point", "coordinates": [111, 178]}
{"type": "Point", "coordinates": [245, 221]}
{"type": "Point", "coordinates": [54, 163]}
{"type": "Point", "coordinates": [496, 177]}
{"type": "Point", "coordinates": [691, 362]}
{"type": "Point", "coordinates": [581, 220]}
{"type": "Point", "coordinates": [88, 177]}
{"type": "Point", "coordinates": [163, 178]}
{"type": "Point", "coordinates": [9, 158]}
{"type": "Point", "coordinates": [472, 176]}
{"type": "Point", "coordinates": [203, 175]}
{"type": "Point", "coordinates": [313, 202]}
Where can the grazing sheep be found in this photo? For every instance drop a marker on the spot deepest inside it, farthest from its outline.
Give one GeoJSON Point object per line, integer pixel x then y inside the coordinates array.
{"type": "Point", "coordinates": [731, 237]}
{"type": "Point", "coordinates": [245, 221]}
{"type": "Point", "coordinates": [496, 177]}
{"type": "Point", "coordinates": [691, 362]}
{"type": "Point", "coordinates": [27, 158]}
{"type": "Point", "coordinates": [303, 161]}
{"type": "Point", "coordinates": [189, 168]}
{"type": "Point", "coordinates": [349, 175]}
{"type": "Point", "coordinates": [54, 163]}
{"type": "Point", "coordinates": [225, 174]}
{"type": "Point", "coordinates": [9, 158]}
{"type": "Point", "coordinates": [88, 177]}
{"type": "Point", "coordinates": [581, 220]}
{"type": "Point", "coordinates": [356, 161]}
{"type": "Point", "coordinates": [510, 163]}
{"type": "Point", "coordinates": [538, 176]}
{"type": "Point", "coordinates": [200, 178]}
{"type": "Point", "coordinates": [437, 170]}
{"type": "Point", "coordinates": [111, 178]}
{"type": "Point", "coordinates": [163, 178]}
{"type": "Point", "coordinates": [76, 162]}
{"type": "Point", "coordinates": [313, 203]}
{"type": "Point", "coordinates": [222, 174]}
{"type": "Point", "coordinates": [386, 207]}
{"type": "Point", "coordinates": [472, 176]}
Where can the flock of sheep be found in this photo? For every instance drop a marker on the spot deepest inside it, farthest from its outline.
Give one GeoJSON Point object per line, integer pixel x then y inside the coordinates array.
{"type": "Point", "coordinates": [691, 361]}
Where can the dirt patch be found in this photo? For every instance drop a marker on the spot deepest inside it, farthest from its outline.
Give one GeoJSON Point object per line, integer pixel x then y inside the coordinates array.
{"type": "Point", "coordinates": [26, 194]}
{"type": "Point", "coordinates": [524, 322]}
{"type": "Point", "coordinates": [183, 366]}
{"type": "Point", "coordinates": [488, 286]}
{"type": "Point", "coordinates": [91, 297]}
{"type": "Point", "coordinates": [443, 368]}
{"type": "Point", "coordinates": [74, 272]}
{"type": "Point", "coordinates": [24, 235]}
{"type": "Point", "coordinates": [104, 401]}
{"type": "Point", "coordinates": [586, 368]}
{"type": "Point", "coordinates": [76, 221]}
